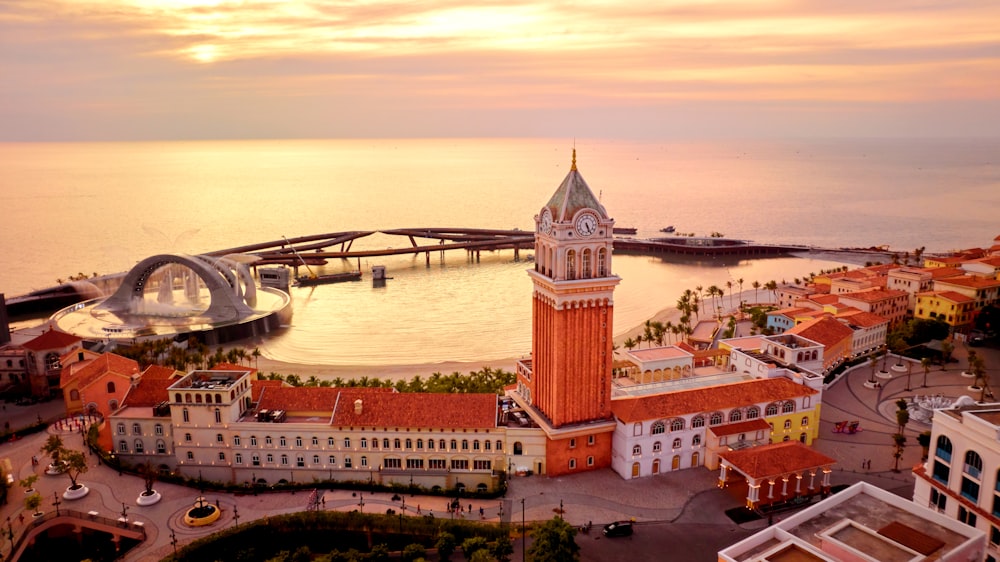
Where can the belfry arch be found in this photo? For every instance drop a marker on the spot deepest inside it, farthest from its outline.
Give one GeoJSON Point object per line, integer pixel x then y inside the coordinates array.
{"type": "Point", "coordinates": [221, 276]}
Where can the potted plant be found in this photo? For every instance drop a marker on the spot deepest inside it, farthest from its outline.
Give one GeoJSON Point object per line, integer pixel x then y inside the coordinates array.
{"type": "Point", "coordinates": [28, 483]}
{"type": "Point", "coordinates": [33, 502]}
{"type": "Point", "coordinates": [149, 496]}
{"type": "Point", "coordinates": [54, 448]}
{"type": "Point", "coordinates": [75, 465]}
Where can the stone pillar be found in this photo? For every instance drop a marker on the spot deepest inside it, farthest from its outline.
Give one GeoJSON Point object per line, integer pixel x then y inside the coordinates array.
{"type": "Point", "coordinates": [812, 479]}
{"type": "Point", "coordinates": [798, 484]}
{"type": "Point", "coordinates": [722, 475]}
{"type": "Point", "coordinates": [784, 486]}
{"type": "Point", "coordinates": [770, 490]}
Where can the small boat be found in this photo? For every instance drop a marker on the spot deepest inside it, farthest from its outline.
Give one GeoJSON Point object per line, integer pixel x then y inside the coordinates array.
{"type": "Point", "coordinates": [310, 280]}
{"type": "Point", "coordinates": [668, 229]}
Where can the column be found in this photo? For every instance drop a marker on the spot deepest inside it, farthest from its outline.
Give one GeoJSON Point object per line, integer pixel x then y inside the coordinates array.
{"type": "Point", "coordinates": [798, 484]}
{"type": "Point", "coordinates": [770, 490]}
{"type": "Point", "coordinates": [722, 475]}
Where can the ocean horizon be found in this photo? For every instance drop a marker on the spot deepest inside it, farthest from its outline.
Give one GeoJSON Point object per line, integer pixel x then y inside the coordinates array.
{"type": "Point", "coordinates": [88, 208]}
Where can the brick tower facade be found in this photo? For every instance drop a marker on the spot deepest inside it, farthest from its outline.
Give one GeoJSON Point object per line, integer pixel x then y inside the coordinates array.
{"type": "Point", "coordinates": [568, 386]}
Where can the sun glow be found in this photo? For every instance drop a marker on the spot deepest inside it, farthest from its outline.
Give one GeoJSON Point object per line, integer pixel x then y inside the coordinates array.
{"type": "Point", "coordinates": [204, 53]}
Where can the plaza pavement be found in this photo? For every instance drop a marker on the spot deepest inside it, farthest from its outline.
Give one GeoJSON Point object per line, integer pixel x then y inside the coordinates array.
{"type": "Point", "coordinates": [687, 497]}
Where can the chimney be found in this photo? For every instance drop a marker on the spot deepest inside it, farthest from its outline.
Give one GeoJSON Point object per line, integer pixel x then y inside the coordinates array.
{"type": "Point", "coordinates": [357, 406]}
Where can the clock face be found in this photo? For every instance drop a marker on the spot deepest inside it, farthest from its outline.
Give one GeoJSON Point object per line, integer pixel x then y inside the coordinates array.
{"type": "Point", "coordinates": [586, 224]}
{"type": "Point", "coordinates": [545, 222]}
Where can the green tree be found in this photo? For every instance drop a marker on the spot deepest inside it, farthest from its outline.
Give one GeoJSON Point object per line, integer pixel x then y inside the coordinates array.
{"type": "Point", "coordinates": [445, 546]}
{"type": "Point", "coordinates": [33, 501]}
{"type": "Point", "coordinates": [54, 448]}
{"type": "Point", "coordinates": [924, 440]}
{"type": "Point", "coordinates": [414, 552]}
{"type": "Point", "coordinates": [554, 541]}
{"type": "Point", "coordinates": [75, 464]}
{"type": "Point", "coordinates": [472, 545]}
{"type": "Point", "coordinates": [502, 548]}
{"type": "Point", "coordinates": [629, 344]}
{"type": "Point", "coordinates": [925, 363]}
{"type": "Point", "coordinates": [899, 443]}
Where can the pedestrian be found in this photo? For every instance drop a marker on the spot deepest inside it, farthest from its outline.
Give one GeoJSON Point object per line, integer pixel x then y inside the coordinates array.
{"type": "Point", "coordinates": [863, 462]}
{"type": "Point", "coordinates": [470, 508]}
{"type": "Point", "coordinates": [481, 512]}
{"type": "Point", "coordinates": [418, 509]}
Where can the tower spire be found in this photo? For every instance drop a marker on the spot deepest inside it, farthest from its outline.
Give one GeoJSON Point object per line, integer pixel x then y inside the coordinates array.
{"type": "Point", "coordinates": [573, 166]}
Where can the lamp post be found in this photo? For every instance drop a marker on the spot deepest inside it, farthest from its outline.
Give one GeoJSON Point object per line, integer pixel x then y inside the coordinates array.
{"type": "Point", "coordinates": [361, 502]}
{"type": "Point", "coordinates": [173, 541]}
{"type": "Point", "coordinates": [56, 502]}
{"type": "Point", "coordinates": [500, 517]}
{"type": "Point", "coordinates": [124, 513]}
{"type": "Point", "coordinates": [524, 540]}
{"type": "Point", "coordinates": [236, 515]}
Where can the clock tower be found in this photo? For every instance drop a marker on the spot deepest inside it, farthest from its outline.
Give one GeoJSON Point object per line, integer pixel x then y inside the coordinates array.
{"type": "Point", "coordinates": [566, 388]}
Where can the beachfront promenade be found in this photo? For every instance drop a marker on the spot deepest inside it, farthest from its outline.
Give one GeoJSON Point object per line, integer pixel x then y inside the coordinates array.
{"type": "Point", "coordinates": [686, 497]}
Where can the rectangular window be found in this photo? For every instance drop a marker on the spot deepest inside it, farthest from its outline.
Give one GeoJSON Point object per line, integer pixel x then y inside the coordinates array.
{"type": "Point", "coordinates": [255, 460]}
{"type": "Point", "coordinates": [941, 472]}
{"type": "Point", "coordinates": [158, 429]}
{"type": "Point", "coordinates": [414, 463]}
{"type": "Point", "coordinates": [300, 462]}
{"type": "Point", "coordinates": [970, 490]}
{"type": "Point", "coordinates": [238, 458]}
{"type": "Point", "coordinates": [347, 442]}
{"type": "Point", "coordinates": [332, 460]}
{"type": "Point", "coordinates": [222, 456]}
{"type": "Point", "coordinates": [393, 463]}
{"type": "Point", "coordinates": [347, 462]}
{"type": "Point", "coordinates": [459, 464]}
{"type": "Point", "coordinates": [482, 465]}
{"type": "Point", "coordinates": [590, 439]}
{"type": "Point", "coordinates": [572, 464]}
{"type": "Point", "coordinates": [436, 464]}
{"type": "Point", "coordinates": [236, 440]}
{"type": "Point", "coordinates": [590, 461]}
{"type": "Point", "coordinates": [572, 443]}
{"type": "Point", "coordinates": [994, 536]}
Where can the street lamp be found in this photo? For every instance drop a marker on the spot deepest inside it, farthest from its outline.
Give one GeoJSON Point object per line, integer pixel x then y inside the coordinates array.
{"type": "Point", "coordinates": [524, 539]}
{"type": "Point", "coordinates": [361, 502]}
{"type": "Point", "coordinates": [124, 513]}
{"type": "Point", "coordinates": [56, 502]}
{"type": "Point", "coordinates": [173, 541]}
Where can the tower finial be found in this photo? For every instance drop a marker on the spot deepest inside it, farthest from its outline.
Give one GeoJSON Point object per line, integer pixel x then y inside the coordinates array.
{"type": "Point", "coordinates": [573, 167]}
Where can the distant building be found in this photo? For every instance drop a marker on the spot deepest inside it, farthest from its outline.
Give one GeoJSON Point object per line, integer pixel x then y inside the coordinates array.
{"type": "Point", "coordinates": [888, 303]}
{"type": "Point", "coordinates": [43, 355]}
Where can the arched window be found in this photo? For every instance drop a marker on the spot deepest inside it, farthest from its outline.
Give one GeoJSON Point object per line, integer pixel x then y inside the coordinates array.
{"type": "Point", "coordinates": [161, 447]}
{"type": "Point", "coordinates": [284, 460]}
{"type": "Point", "coordinates": [698, 421]}
{"type": "Point", "coordinates": [269, 458]}
{"type": "Point", "coordinates": [753, 412]}
{"type": "Point", "coordinates": [74, 394]}
{"type": "Point", "coordinates": [715, 419]}
{"type": "Point", "coordinates": [187, 397]}
{"type": "Point", "coordinates": [677, 443]}
{"type": "Point", "coordinates": [409, 443]}
{"type": "Point", "coordinates": [813, 355]}
{"type": "Point", "coordinates": [696, 441]}
{"type": "Point", "coordinates": [518, 448]}
{"type": "Point", "coordinates": [636, 450]}
{"type": "Point", "coordinates": [139, 448]}
{"type": "Point", "coordinates": [658, 427]}
{"type": "Point", "coordinates": [735, 416]}
{"type": "Point", "coordinates": [585, 270]}
{"type": "Point", "coordinates": [657, 447]}
{"type": "Point", "coordinates": [218, 399]}
{"type": "Point", "coordinates": [197, 398]}
{"type": "Point", "coordinates": [771, 410]}
{"type": "Point", "coordinates": [121, 428]}
{"type": "Point", "coordinates": [943, 451]}
{"type": "Point", "coordinates": [499, 446]}
{"type": "Point", "coordinates": [111, 387]}
{"type": "Point", "coordinates": [122, 446]}
{"type": "Point", "coordinates": [396, 443]}
{"type": "Point", "coordinates": [136, 429]}
{"type": "Point", "coordinates": [971, 475]}
{"type": "Point", "coordinates": [364, 442]}
{"type": "Point", "coordinates": [602, 262]}
{"type": "Point", "coordinates": [177, 397]}
{"type": "Point", "coordinates": [282, 441]}
{"type": "Point", "coordinates": [788, 424]}
{"type": "Point", "coordinates": [441, 445]}
{"type": "Point", "coordinates": [454, 445]}
{"type": "Point", "coordinates": [788, 407]}
{"type": "Point", "coordinates": [475, 445]}
{"type": "Point", "coordinates": [636, 429]}
{"type": "Point", "coordinates": [113, 405]}
{"type": "Point", "coordinates": [571, 264]}
{"type": "Point", "coordinates": [677, 424]}
{"type": "Point", "coordinates": [805, 421]}
{"type": "Point", "coordinates": [488, 444]}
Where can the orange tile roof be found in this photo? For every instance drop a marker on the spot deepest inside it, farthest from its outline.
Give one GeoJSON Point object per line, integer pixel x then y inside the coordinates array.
{"type": "Point", "coordinates": [740, 427]}
{"type": "Point", "coordinates": [51, 339]}
{"type": "Point", "coordinates": [258, 386]}
{"type": "Point", "coordinates": [105, 364]}
{"type": "Point", "coordinates": [827, 331]}
{"type": "Point", "coordinates": [875, 295]}
{"type": "Point", "coordinates": [947, 295]}
{"type": "Point", "coordinates": [776, 459]}
{"type": "Point", "coordinates": [299, 398]}
{"type": "Point", "coordinates": [148, 393]}
{"type": "Point", "coordinates": [459, 411]}
{"type": "Point", "coordinates": [971, 282]}
{"type": "Point", "coordinates": [862, 319]}
{"type": "Point", "coordinates": [707, 399]}
{"type": "Point", "coordinates": [941, 272]}
{"type": "Point", "coordinates": [159, 372]}
{"type": "Point", "coordinates": [232, 367]}
{"type": "Point", "coordinates": [824, 299]}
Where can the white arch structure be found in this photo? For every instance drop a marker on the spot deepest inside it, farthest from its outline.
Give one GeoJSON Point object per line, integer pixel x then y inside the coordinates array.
{"type": "Point", "coordinates": [229, 300]}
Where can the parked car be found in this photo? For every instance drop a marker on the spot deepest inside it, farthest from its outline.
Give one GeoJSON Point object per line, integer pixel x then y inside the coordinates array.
{"type": "Point", "coordinates": [618, 529]}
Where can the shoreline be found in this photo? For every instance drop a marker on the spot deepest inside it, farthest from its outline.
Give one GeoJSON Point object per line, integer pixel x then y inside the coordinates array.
{"type": "Point", "coordinates": [266, 366]}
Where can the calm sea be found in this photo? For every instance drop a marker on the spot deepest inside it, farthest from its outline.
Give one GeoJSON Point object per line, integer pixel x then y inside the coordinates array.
{"type": "Point", "coordinates": [101, 207]}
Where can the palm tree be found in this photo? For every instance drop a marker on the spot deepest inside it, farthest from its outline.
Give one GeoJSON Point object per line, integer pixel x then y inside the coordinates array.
{"type": "Point", "coordinates": [899, 442]}
{"type": "Point", "coordinates": [925, 362]}
{"type": "Point", "coordinates": [772, 286]}
{"type": "Point", "coordinates": [873, 359]}
{"type": "Point", "coordinates": [756, 287]}
{"type": "Point", "coordinates": [740, 283]}
{"type": "Point", "coordinates": [629, 344]}
{"type": "Point", "coordinates": [729, 287]}
{"type": "Point", "coordinates": [256, 357]}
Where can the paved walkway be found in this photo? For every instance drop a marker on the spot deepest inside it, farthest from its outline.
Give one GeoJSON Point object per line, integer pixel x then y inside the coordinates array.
{"type": "Point", "coordinates": [687, 496]}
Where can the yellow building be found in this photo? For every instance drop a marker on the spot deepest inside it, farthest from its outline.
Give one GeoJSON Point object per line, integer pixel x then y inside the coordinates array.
{"type": "Point", "coordinates": [951, 307]}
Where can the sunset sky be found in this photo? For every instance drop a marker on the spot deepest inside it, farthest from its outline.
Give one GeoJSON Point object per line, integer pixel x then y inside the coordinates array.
{"type": "Point", "coordinates": [218, 69]}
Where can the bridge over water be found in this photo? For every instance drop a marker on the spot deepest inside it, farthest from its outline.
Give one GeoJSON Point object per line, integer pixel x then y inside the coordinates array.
{"type": "Point", "coordinates": [315, 249]}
